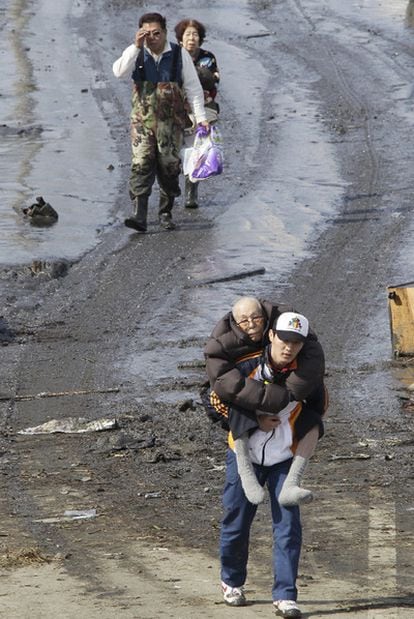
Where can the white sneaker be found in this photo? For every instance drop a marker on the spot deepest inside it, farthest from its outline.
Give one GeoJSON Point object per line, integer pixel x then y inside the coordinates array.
{"type": "Point", "coordinates": [287, 608]}
{"type": "Point", "coordinates": [233, 596]}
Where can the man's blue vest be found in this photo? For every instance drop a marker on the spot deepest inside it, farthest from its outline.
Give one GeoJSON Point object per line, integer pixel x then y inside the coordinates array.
{"type": "Point", "coordinates": [168, 69]}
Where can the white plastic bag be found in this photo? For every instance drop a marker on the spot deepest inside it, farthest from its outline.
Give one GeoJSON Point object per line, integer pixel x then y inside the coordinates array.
{"type": "Point", "coordinates": [206, 158]}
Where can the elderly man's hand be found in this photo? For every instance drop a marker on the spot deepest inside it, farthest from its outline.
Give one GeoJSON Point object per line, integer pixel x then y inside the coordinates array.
{"type": "Point", "coordinates": [267, 423]}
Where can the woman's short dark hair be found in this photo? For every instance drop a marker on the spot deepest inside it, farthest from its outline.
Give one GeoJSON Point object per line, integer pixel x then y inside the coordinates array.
{"type": "Point", "coordinates": [182, 26]}
{"type": "Point", "coordinates": [148, 18]}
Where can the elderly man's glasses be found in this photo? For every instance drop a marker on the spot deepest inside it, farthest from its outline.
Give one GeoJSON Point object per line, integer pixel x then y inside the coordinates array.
{"type": "Point", "coordinates": [255, 320]}
{"type": "Point", "coordinates": [153, 33]}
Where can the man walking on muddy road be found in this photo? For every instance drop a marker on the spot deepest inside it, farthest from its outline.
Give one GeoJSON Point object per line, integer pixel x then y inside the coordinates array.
{"type": "Point", "coordinates": [270, 447]}
{"type": "Point", "coordinates": [243, 332]}
{"type": "Point", "coordinates": [163, 77]}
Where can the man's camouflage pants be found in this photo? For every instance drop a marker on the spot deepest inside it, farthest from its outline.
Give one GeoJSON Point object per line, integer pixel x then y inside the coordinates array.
{"type": "Point", "coordinates": [156, 141]}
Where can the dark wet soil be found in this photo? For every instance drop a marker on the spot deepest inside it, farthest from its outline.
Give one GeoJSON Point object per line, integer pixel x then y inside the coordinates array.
{"type": "Point", "coordinates": [159, 474]}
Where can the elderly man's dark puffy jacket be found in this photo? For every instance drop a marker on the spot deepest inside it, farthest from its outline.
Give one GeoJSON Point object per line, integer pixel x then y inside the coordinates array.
{"type": "Point", "coordinates": [228, 343]}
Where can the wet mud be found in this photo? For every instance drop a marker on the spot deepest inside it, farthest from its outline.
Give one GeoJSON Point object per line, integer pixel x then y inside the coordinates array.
{"type": "Point", "coordinates": [314, 208]}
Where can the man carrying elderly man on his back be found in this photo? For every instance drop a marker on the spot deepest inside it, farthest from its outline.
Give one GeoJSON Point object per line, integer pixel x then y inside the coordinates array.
{"type": "Point", "coordinates": [272, 397]}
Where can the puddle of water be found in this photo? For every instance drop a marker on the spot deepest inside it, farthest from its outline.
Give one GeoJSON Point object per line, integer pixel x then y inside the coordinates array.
{"type": "Point", "coordinates": [232, 15]}
{"type": "Point", "coordinates": [377, 18]}
{"type": "Point", "coordinates": [300, 188]}
{"type": "Point", "coordinates": [173, 357]}
{"type": "Point", "coordinates": [235, 66]}
{"type": "Point", "coordinates": [377, 12]}
{"type": "Point", "coordinates": [271, 225]}
{"type": "Point", "coordinates": [270, 228]}
{"type": "Point", "coordinates": [381, 10]}
{"type": "Point", "coordinates": [67, 162]}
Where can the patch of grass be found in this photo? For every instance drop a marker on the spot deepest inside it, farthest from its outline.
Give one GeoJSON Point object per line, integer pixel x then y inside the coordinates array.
{"type": "Point", "coordinates": [22, 557]}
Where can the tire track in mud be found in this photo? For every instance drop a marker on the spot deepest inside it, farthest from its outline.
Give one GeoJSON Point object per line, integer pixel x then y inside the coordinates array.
{"type": "Point", "coordinates": [367, 188]}
{"type": "Point", "coordinates": [355, 102]}
{"type": "Point", "coordinates": [394, 61]}
{"type": "Point", "coordinates": [362, 109]}
{"type": "Point", "coordinates": [299, 6]}
{"type": "Point", "coordinates": [359, 241]}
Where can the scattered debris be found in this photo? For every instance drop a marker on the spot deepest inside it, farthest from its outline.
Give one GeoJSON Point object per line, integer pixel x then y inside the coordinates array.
{"type": "Point", "coordinates": [123, 442]}
{"type": "Point", "coordinates": [58, 394]}
{"type": "Point", "coordinates": [114, 555]}
{"type": "Point", "coordinates": [70, 515]}
{"type": "Point", "coordinates": [80, 514]}
{"type": "Point", "coordinates": [187, 405]}
{"type": "Point", "coordinates": [6, 334]}
{"type": "Point", "coordinates": [149, 495]}
{"type": "Point", "coordinates": [258, 35]}
{"type": "Point", "coordinates": [143, 418]}
{"type": "Point", "coordinates": [22, 557]}
{"type": "Point", "coordinates": [71, 425]}
{"type": "Point", "coordinates": [190, 365]}
{"type": "Point", "coordinates": [41, 213]}
{"type": "Point", "coordinates": [53, 269]}
{"type": "Point", "coordinates": [408, 406]}
{"type": "Point", "coordinates": [407, 400]}
{"type": "Point", "coordinates": [229, 278]}
{"type": "Point", "coordinates": [351, 457]}
{"type": "Point", "coordinates": [6, 131]}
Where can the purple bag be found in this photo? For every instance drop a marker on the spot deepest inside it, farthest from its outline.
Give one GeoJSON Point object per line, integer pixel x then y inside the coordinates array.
{"type": "Point", "coordinates": [207, 155]}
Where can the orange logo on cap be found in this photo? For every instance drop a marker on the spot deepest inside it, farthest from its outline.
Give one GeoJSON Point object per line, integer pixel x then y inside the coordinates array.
{"type": "Point", "coordinates": [295, 323]}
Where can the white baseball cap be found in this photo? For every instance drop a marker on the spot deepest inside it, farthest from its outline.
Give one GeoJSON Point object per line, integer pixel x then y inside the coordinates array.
{"type": "Point", "coordinates": [291, 326]}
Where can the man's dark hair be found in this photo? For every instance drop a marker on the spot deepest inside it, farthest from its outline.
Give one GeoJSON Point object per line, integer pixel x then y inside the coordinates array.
{"type": "Point", "coordinates": [182, 26]}
{"type": "Point", "coordinates": [153, 17]}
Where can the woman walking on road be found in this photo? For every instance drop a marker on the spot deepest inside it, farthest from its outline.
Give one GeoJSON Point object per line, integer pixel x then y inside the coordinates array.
{"type": "Point", "coordinates": [190, 35]}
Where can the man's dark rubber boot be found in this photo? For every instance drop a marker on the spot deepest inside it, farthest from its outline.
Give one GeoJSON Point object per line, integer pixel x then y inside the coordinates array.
{"type": "Point", "coordinates": [164, 213]}
{"type": "Point", "coordinates": [166, 222]}
{"type": "Point", "coordinates": [191, 194]}
{"type": "Point", "coordinates": [138, 221]}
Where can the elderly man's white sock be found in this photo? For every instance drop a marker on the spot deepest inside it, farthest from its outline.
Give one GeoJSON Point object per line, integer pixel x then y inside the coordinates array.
{"type": "Point", "coordinates": [254, 492]}
{"type": "Point", "coordinates": [292, 493]}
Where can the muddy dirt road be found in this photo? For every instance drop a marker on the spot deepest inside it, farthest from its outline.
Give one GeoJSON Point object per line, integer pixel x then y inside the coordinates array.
{"type": "Point", "coordinates": [317, 101]}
